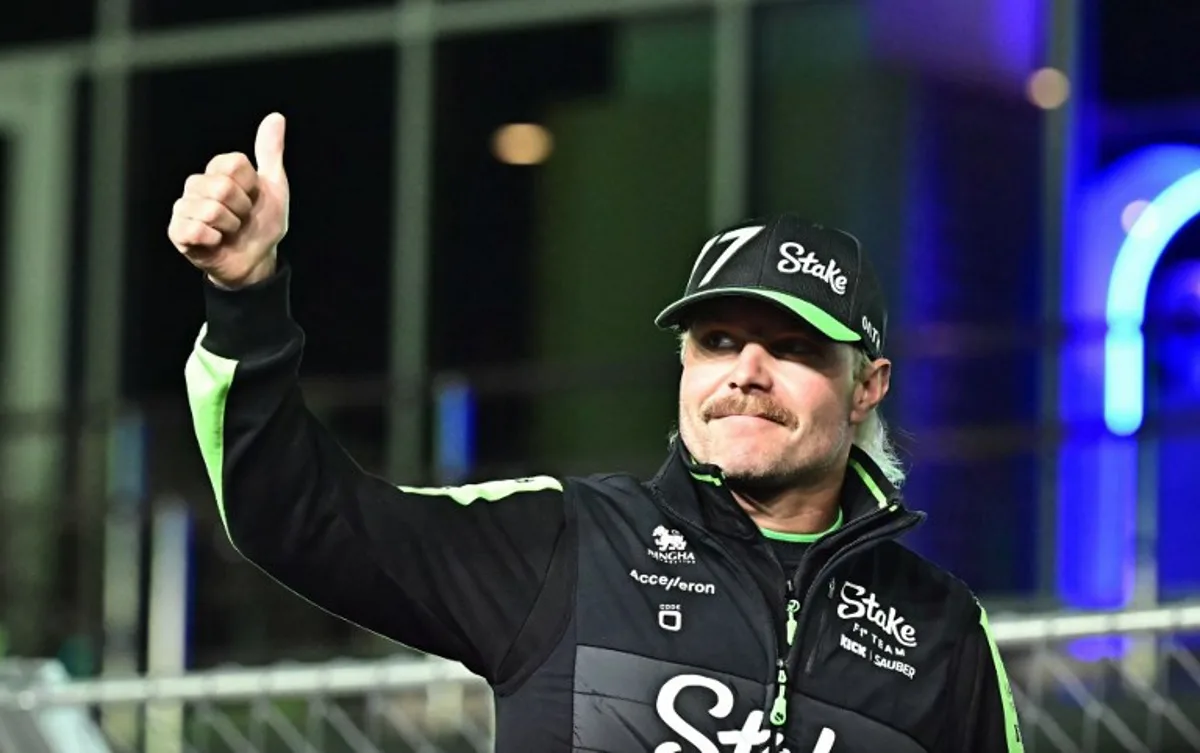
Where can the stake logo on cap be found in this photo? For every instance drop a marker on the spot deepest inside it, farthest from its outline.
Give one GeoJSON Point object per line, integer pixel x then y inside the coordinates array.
{"type": "Point", "coordinates": [817, 273]}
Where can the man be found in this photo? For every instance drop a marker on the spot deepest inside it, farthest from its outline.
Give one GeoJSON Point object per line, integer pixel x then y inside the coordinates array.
{"type": "Point", "coordinates": [749, 597]}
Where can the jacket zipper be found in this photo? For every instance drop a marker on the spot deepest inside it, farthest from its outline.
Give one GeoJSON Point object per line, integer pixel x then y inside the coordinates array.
{"type": "Point", "coordinates": [778, 715]}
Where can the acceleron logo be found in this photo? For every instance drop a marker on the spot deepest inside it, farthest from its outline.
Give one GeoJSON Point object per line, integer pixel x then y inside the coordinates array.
{"type": "Point", "coordinates": [673, 583]}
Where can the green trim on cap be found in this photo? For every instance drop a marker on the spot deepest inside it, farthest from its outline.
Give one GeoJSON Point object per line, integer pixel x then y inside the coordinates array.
{"type": "Point", "coordinates": [825, 322]}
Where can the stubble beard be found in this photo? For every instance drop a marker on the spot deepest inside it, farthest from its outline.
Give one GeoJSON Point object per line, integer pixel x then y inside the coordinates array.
{"type": "Point", "coordinates": [811, 470]}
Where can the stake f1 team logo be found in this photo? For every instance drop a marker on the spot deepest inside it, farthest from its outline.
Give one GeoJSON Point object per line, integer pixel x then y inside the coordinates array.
{"type": "Point", "coordinates": [854, 606]}
{"type": "Point", "coordinates": [752, 736]}
{"type": "Point", "coordinates": [885, 639]}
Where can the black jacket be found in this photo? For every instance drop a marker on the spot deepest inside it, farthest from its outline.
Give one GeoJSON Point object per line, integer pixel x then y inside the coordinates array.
{"type": "Point", "coordinates": [608, 613]}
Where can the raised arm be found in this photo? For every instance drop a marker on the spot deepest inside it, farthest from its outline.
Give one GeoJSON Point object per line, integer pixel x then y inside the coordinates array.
{"type": "Point", "coordinates": [451, 571]}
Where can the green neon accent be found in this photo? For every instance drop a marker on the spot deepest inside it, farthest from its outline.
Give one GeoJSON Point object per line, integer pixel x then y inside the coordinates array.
{"type": "Point", "coordinates": [488, 491]}
{"type": "Point", "coordinates": [870, 483]}
{"type": "Point", "coordinates": [792, 624]}
{"type": "Point", "coordinates": [208, 379]}
{"type": "Point", "coordinates": [714, 480]}
{"type": "Point", "coordinates": [814, 315]}
{"type": "Point", "coordinates": [1012, 725]}
{"type": "Point", "coordinates": [804, 538]}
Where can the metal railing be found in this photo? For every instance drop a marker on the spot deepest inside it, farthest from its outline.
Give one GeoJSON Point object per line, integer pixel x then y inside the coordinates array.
{"type": "Point", "coordinates": [1086, 683]}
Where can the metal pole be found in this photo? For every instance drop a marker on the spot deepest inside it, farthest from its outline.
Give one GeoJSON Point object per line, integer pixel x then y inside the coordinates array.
{"type": "Point", "coordinates": [291, 33]}
{"type": "Point", "coordinates": [1060, 174]}
{"type": "Point", "coordinates": [410, 254]}
{"type": "Point", "coordinates": [34, 342]}
{"type": "Point", "coordinates": [733, 32]}
{"type": "Point", "coordinates": [167, 628]}
{"type": "Point", "coordinates": [109, 561]}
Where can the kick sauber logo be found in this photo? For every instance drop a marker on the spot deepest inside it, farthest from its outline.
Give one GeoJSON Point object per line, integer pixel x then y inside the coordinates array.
{"type": "Point", "coordinates": [670, 548]}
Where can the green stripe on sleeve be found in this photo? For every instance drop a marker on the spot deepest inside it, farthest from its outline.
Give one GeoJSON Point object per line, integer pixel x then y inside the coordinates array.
{"type": "Point", "coordinates": [489, 491]}
{"type": "Point", "coordinates": [1011, 724]}
{"type": "Point", "coordinates": [208, 380]}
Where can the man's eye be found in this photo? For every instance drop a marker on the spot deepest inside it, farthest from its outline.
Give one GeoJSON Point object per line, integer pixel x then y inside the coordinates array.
{"type": "Point", "coordinates": [797, 347]}
{"type": "Point", "coordinates": [717, 341]}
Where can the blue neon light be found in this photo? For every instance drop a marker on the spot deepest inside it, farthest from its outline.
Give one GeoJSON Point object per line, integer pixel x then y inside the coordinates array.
{"type": "Point", "coordinates": [1100, 390]}
{"type": "Point", "coordinates": [455, 431]}
{"type": "Point", "coordinates": [1124, 344]}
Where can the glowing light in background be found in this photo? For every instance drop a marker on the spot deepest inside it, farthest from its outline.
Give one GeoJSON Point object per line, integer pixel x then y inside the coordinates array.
{"type": "Point", "coordinates": [1048, 88]}
{"type": "Point", "coordinates": [455, 428]}
{"type": "Point", "coordinates": [1132, 212]}
{"type": "Point", "coordinates": [1179, 300]}
{"type": "Point", "coordinates": [522, 144]}
{"type": "Point", "coordinates": [1124, 345]}
{"type": "Point", "coordinates": [1124, 212]}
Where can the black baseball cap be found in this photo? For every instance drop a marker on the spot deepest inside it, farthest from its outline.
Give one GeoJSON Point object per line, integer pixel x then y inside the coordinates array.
{"type": "Point", "coordinates": [818, 273]}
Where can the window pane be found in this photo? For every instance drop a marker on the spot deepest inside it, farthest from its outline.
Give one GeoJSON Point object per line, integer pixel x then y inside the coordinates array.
{"type": "Point", "coordinates": [559, 267]}
{"type": "Point", "coordinates": [935, 165]}
{"type": "Point", "coordinates": [56, 20]}
{"type": "Point", "coordinates": [339, 159]}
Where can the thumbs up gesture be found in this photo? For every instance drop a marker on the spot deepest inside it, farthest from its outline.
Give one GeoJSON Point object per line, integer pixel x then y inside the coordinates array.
{"type": "Point", "coordinates": [230, 219]}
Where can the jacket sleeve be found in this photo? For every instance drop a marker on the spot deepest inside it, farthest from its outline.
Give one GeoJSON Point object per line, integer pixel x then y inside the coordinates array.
{"type": "Point", "coordinates": [452, 571]}
{"type": "Point", "coordinates": [985, 710]}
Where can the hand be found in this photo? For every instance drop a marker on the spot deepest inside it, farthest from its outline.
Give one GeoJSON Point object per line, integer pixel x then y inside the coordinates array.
{"type": "Point", "coordinates": [230, 219]}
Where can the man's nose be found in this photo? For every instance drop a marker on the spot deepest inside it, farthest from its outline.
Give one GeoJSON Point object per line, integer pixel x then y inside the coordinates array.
{"type": "Point", "coordinates": [752, 369]}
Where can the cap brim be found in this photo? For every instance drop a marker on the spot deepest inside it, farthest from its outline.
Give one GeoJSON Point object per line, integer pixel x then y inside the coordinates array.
{"type": "Point", "coordinates": [825, 323]}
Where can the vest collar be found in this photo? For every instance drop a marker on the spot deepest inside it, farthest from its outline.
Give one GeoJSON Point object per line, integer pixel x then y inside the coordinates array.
{"type": "Point", "coordinates": [698, 492]}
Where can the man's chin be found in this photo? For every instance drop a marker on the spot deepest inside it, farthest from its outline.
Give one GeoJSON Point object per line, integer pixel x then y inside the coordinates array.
{"type": "Point", "coordinates": [747, 468]}
{"type": "Point", "coordinates": [758, 483]}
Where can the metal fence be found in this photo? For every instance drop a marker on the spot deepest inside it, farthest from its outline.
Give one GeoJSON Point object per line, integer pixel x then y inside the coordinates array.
{"type": "Point", "coordinates": [1125, 681]}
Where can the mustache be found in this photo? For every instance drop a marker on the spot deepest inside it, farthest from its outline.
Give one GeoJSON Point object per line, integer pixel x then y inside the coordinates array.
{"type": "Point", "coordinates": [747, 405]}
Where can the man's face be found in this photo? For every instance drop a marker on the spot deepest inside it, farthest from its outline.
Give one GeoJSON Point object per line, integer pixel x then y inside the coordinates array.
{"type": "Point", "coordinates": [767, 398]}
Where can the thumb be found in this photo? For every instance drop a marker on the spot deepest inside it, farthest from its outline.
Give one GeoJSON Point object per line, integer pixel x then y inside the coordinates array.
{"type": "Point", "coordinates": [268, 147]}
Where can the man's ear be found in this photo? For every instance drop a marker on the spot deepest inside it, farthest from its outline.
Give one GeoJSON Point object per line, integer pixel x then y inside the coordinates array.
{"type": "Point", "coordinates": [871, 387]}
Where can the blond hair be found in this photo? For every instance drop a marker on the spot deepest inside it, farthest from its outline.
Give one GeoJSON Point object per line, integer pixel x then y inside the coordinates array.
{"type": "Point", "coordinates": [871, 435]}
